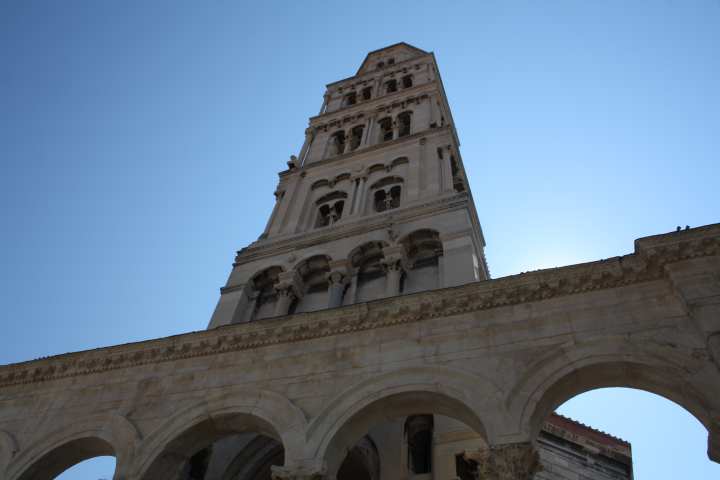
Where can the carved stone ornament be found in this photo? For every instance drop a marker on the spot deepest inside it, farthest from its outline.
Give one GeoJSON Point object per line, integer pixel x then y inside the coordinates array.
{"type": "Point", "coordinates": [652, 255]}
{"type": "Point", "coordinates": [514, 461]}
{"type": "Point", "coordinates": [298, 473]}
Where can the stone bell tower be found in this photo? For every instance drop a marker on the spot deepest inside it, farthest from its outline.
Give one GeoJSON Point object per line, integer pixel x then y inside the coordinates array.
{"type": "Point", "coordinates": [376, 203]}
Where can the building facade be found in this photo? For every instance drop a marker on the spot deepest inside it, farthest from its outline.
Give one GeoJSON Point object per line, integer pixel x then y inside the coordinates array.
{"type": "Point", "coordinates": [361, 337]}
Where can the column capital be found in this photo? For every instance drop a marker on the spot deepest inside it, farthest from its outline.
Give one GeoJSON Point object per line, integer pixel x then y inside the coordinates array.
{"type": "Point", "coordinates": [395, 258]}
{"type": "Point", "coordinates": [298, 473]}
{"type": "Point", "coordinates": [289, 283]}
{"type": "Point", "coordinates": [337, 277]}
{"type": "Point", "coordinates": [513, 461]}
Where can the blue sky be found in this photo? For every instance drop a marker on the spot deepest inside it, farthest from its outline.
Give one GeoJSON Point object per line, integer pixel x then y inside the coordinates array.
{"type": "Point", "coordinates": [140, 142]}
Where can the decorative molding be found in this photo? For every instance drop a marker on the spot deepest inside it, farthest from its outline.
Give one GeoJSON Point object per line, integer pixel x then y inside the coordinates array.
{"type": "Point", "coordinates": [343, 230]}
{"type": "Point", "coordinates": [642, 266]}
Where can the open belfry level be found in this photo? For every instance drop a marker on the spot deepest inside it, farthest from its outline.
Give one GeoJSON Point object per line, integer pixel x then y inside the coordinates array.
{"type": "Point", "coordinates": [362, 338]}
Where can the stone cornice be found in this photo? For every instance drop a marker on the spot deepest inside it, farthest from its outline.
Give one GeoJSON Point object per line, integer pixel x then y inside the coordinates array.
{"type": "Point", "coordinates": [355, 226]}
{"type": "Point", "coordinates": [351, 156]}
{"type": "Point", "coordinates": [369, 107]}
{"type": "Point", "coordinates": [642, 266]}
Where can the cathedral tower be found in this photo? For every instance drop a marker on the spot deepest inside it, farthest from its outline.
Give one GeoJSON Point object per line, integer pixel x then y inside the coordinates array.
{"type": "Point", "coordinates": [376, 203]}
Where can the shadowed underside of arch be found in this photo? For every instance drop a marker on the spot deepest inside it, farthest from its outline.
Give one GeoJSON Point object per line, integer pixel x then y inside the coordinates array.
{"type": "Point", "coordinates": [65, 456]}
{"type": "Point", "coordinates": [660, 380]}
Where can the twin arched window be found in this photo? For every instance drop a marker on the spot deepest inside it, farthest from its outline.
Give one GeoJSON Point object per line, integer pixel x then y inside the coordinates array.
{"type": "Point", "coordinates": [386, 193]}
{"type": "Point", "coordinates": [329, 208]}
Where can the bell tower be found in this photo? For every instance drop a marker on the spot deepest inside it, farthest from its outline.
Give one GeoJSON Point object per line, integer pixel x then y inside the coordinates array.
{"type": "Point", "coordinates": [376, 203]}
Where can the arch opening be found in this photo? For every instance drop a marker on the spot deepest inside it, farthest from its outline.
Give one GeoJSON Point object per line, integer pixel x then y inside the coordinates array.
{"type": "Point", "coordinates": [74, 455]}
{"type": "Point", "coordinates": [664, 385]}
{"type": "Point", "coordinates": [415, 434]}
{"type": "Point", "coordinates": [233, 446]}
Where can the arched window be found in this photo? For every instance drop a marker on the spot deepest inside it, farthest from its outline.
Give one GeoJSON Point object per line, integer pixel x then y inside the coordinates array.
{"type": "Point", "coordinates": [386, 129]}
{"type": "Point", "coordinates": [424, 252]}
{"type": "Point", "coordinates": [370, 281]}
{"type": "Point", "coordinates": [404, 122]}
{"type": "Point", "coordinates": [380, 65]}
{"type": "Point", "coordinates": [313, 274]}
{"type": "Point", "coordinates": [356, 137]}
{"type": "Point", "coordinates": [419, 435]}
{"type": "Point", "coordinates": [386, 193]}
{"type": "Point", "coordinates": [337, 143]}
{"type": "Point", "coordinates": [329, 208]}
{"type": "Point", "coordinates": [407, 81]}
{"type": "Point", "coordinates": [391, 86]}
{"type": "Point", "coordinates": [262, 293]}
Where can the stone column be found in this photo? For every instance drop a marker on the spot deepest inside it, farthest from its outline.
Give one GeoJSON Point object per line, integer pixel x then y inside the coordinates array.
{"type": "Point", "coordinates": [446, 171]}
{"type": "Point", "coordinates": [366, 132]}
{"type": "Point", "coordinates": [346, 147]}
{"type": "Point", "coordinates": [309, 137]}
{"type": "Point", "coordinates": [337, 280]}
{"type": "Point", "coordinates": [288, 288]}
{"type": "Point", "coordinates": [395, 129]}
{"type": "Point", "coordinates": [513, 461]}
{"type": "Point", "coordinates": [394, 266]}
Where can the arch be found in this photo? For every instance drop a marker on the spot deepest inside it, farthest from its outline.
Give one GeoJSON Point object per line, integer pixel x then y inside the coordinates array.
{"type": "Point", "coordinates": [438, 390]}
{"type": "Point", "coordinates": [377, 167]}
{"type": "Point", "coordinates": [262, 293]}
{"type": "Point", "coordinates": [49, 454]}
{"type": "Point", "coordinates": [369, 281]}
{"type": "Point", "coordinates": [320, 183]}
{"type": "Point", "coordinates": [341, 177]}
{"type": "Point", "coordinates": [385, 181]}
{"type": "Point", "coordinates": [399, 161]}
{"type": "Point", "coordinates": [424, 251]}
{"type": "Point", "coordinates": [362, 462]}
{"type": "Point", "coordinates": [312, 272]}
{"type": "Point", "coordinates": [235, 411]}
{"type": "Point", "coordinates": [8, 449]}
{"type": "Point", "coordinates": [574, 370]}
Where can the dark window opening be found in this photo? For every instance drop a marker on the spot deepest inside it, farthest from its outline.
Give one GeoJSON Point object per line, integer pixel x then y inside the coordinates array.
{"type": "Point", "coordinates": [198, 464]}
{"type": "Point", "coordinates": [329, 214]}
{"type": "Point", "coordinates": [439, 151]}
{"type": "Point", "coordinates": [404, 124]}
{"type": "Point", "coordinates": [337, 145]}
{"type": "Point", "coordinates": [351, 98]}
{"type": "Point", "coordinates": [367, 93]}
{"type": "Point", "coordinates": [419, 431]}
{"type": "Point", "coordinates": [391, 61]}
{"type": "Point", "coordinates": [387, 200]}
{"type": "Point", "coordinates": [391, 86]}
{"type": "Point", "coordinates": [381, 64]}
{"type": "Point", "coordinates": [466, 469]}
{"type": "Point", "coordinates": [407, 81]}
{"type": "Point", "coordinates": [386, 131]}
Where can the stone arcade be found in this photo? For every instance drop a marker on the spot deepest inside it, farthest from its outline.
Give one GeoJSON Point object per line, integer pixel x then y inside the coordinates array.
{"type": "Point", "coordinates": [361, 336]}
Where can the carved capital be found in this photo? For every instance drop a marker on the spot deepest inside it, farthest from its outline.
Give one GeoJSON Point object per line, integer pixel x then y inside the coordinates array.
{"type": "Point", "coordinates": [394, 259]}
{"type": "Point", "coordinates": [298, 473]}
{"type": "Point", "coordinates": [337, 277]}
{"type": "Point", "coordinates": [289, 284]}
{"type": "Point", "coordinates": [514, 461]}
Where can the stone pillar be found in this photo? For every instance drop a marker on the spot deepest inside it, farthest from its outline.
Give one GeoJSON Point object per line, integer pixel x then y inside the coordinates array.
{"type": "Point", "coordinates": [337, 280]}
{"type": "Point", "coordinates": [513, 461]}
{"type": "Point", "coordinates": [288, 288]}
{"type": "Point", "coordinates": [395, 129]}
{"type": "Point", "coordinates": [366, 132]}
{"type": "Point", "coordinates": [309, 137]}
{"type": "Point", "coordinates": [394, 266]}
{"type": "Point", "coordinates": [346, 147]}
{"type": "Point", "coordinates": [445, 171]}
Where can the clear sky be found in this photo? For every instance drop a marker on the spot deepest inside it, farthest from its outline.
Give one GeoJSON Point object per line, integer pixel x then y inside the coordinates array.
{"type": "Point", "coordinates": [140, 142]}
